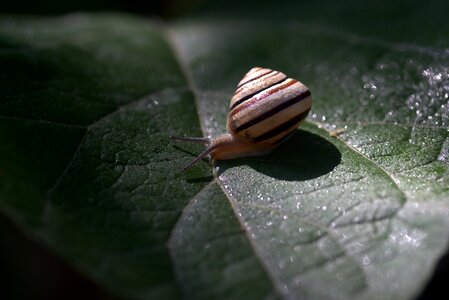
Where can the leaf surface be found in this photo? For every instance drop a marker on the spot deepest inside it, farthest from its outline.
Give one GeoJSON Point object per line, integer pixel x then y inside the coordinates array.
{"type": "Point", "coordinates": [86, 167]}
{"type": "Point", "coordinates": [334, 217]}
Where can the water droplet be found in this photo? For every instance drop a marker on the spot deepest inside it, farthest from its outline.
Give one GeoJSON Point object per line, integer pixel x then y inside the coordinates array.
{"type": "Point", "coordinates": [366, 260]}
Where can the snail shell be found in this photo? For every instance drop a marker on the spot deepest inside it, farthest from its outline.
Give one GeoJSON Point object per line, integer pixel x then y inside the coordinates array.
{"type": "Point", "coordinates": [266, 109]}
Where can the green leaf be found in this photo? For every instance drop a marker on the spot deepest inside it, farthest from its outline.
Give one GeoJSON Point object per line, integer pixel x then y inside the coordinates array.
{"type": "Point", "coordinates": [85, 162]}
{"type": "Point", "coordinates": [352, 230]}
{"type": "Point", "coordinates": [211, 253]}
{"type": "Point", "coordinates": [86, 167]}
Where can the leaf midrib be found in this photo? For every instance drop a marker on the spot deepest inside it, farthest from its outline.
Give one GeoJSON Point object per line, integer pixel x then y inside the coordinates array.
{"type": "Point", "coordinates": [166, 33]}
{"type": "Point", "coordinates": [170, 39]}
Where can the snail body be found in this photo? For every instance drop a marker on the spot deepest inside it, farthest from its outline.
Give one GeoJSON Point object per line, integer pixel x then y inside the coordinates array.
{"type": "Point", "coordinates": [267, 107]}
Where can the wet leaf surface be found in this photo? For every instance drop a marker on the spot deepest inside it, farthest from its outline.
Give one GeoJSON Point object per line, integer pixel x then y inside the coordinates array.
{"type": "Point", "coordinates": [86, 167]}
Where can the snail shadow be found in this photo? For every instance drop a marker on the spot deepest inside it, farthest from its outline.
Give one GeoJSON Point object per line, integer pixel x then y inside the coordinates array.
{"type": "Point", "coordinates": [436, 285]}
{"type": "Point", "coordinates": [303, 156]}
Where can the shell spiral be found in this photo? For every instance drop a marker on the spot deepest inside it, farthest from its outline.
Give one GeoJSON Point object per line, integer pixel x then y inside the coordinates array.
{"type": "Point", "coordinates": [267, 107]}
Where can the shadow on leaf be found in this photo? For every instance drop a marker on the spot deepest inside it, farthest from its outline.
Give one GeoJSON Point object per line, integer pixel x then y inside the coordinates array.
{"type": "Point", "coordinates": [436, 286]}
{"type": "Point", "coordinates": [303, 156]}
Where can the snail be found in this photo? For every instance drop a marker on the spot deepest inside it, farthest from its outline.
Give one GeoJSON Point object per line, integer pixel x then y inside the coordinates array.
{"type": "Point", "coordinates": [266, 109]}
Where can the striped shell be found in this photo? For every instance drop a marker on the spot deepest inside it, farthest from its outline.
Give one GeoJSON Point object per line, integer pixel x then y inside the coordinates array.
{"type": "Point", "coordinates": [267, 107]}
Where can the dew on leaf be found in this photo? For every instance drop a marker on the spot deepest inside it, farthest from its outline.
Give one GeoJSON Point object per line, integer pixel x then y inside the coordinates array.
{"type": "Point", "coordinates": [366, 260]}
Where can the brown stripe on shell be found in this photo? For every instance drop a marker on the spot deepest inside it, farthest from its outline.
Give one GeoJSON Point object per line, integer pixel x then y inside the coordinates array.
{"type": "Point", "coordinates": [261, 96]}
{"type": "Point", "coordinates": [273, 111]}
{"type": "Point", "coordinates": [256, 92]}
{"type": "Point", "coordinates": [275, 120]}
{"type": "Point", "coordinates": [243, 81]}
{"type": "Point", "coordinates": [259, 83]}
{"type": "Point", "coordinates": [276, 140]}
{"type": "Point", "coordinates": [255, 87]}
{"type": "Point", "coordinates": [283, 127]}
{"type": "Point", "coordinates": [251, 73]}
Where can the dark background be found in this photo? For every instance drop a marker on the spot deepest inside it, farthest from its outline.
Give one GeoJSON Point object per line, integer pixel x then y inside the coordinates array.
{"type": "Point", "coordinates": [167, 8]}
{"type": "Point", "coordinates": [28, 270]}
